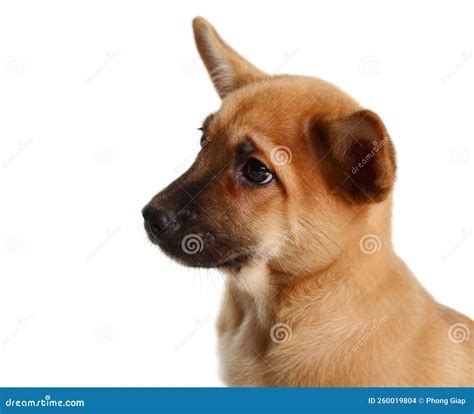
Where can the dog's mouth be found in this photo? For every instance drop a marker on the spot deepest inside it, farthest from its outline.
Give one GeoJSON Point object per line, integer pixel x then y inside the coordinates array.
{"type": "Point", "coordinates": [234, 261]}
{"type": "Point", "coordinates": [198, 249]}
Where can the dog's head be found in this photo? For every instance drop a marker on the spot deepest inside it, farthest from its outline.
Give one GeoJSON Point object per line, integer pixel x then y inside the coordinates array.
{"type": "Point", "coordinates": [286, 162]}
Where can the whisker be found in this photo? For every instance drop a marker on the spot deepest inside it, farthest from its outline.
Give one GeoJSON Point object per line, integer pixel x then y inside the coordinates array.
{"type": "Point", "coordinates": [325, 235]}
{"type": "Point", "coordinates": [318, 240]}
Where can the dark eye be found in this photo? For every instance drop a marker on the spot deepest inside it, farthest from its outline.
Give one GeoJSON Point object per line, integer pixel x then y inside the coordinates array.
{"type": "Point", "coordinates": [256, 172]}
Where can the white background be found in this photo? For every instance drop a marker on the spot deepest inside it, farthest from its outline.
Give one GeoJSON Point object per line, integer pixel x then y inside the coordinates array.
{"type": "Point", "coordinates": [99, 105]}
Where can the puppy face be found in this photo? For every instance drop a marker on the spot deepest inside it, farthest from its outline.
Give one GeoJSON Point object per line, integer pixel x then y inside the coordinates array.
{"type": "Point", "coordinates": [274, 170]}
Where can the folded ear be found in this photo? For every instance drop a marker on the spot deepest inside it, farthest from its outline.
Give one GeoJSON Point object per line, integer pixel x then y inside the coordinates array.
{"type": "Point", "coordinates": [357, 156]}
{"type": "Point", "coordinates": [227, 69]}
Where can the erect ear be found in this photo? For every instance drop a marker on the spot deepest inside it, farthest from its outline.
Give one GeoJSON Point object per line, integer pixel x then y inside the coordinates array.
{"type": "Point", "coordinates": [357, 156]}
{"type": "Point", "coordinates": [227, 69]}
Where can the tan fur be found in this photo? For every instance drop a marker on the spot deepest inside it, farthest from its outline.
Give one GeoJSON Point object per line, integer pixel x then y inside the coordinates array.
{"type": "Point", "coordinates": [350, 316]}
{"type": "Point", "coordinates": [331, 308]}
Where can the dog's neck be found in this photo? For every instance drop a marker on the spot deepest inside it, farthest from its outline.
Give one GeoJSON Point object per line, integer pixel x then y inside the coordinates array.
{"type": "Point", "coordinates": [370, 247]}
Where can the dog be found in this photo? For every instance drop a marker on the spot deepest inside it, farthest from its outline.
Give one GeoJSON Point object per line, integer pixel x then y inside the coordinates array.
{"type": "Point", "coordinates": [291, 198]}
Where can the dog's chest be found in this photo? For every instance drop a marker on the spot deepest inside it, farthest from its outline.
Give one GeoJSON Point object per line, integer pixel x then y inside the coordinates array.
{"type": "Point", "coordinates": [242, 345]}
{"type": "Point", "coordinates": [244, 324]}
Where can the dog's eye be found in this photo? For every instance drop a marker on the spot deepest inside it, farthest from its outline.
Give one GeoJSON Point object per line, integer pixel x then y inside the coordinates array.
{"type": "Point", "coordinates": [256, 172]}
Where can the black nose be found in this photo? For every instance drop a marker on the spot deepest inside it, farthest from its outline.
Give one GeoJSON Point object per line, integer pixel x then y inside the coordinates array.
{"type": "Point", "coordinates": [156, 220]}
